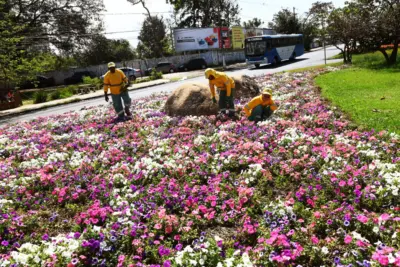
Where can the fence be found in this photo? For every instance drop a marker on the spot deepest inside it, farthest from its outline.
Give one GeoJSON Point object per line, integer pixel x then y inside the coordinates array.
{"type": "Point", "coordinates": [211, 57]}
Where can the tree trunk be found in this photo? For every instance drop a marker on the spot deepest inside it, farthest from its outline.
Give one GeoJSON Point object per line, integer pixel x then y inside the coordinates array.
{"type": "Point", "coordinates": [349, 57]}
{"type": "Point", "coordinates": [344, 57]}
{"type": "Point", "coordinates": [393, 56]}
{"type": "Point", "coordinates": [383, 51]}
{"type": "Point", "coordinates": [345, 52]}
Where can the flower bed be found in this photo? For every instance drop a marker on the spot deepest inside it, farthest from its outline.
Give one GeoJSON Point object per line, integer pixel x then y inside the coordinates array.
{"type": "Point", "coordinates": [302, 189]}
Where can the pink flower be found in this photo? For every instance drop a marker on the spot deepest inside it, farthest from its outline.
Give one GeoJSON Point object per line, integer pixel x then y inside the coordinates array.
{"type": "Point", "coordinates": [362, 244]}
{"type": "Point", "coordinates": [168, 229]}
{"type": "Point", "coordinates": [317, 214]}
{"type": "Point", "coordinates": [384, 217]}
{"type": "Point", "coordinates": [342, 183]}
{"type": "Point", "coordinates": [314, 240]}
{"type": "Point", "coordinates": [158, 226]}
{"type": "Point", "coordinates": [362, 218]}
{"type": "Point", "coordinates": [383, 260]}
{"type": "Point", "coordinates": [348, 239]}
{"type": "Point", "coordinates": [203, 209]}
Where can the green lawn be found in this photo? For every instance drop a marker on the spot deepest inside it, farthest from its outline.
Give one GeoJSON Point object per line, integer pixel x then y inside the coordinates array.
{"type": "Point", "coordinates": [369, 92]}
{"type": "Point", "coordinates": [337, 64]}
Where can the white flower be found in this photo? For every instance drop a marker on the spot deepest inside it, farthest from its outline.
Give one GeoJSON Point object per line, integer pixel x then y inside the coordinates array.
{"type": "Point", "coordinates": [217, 238]}
{"type": "Point", "coordinates": [325, 250]}
{"type": "Point", "coordinates": [375, 229]}
{"type": "Point", "coordinates": [391, 258]}
{"type": "Point", "coordinates": [246, 260]}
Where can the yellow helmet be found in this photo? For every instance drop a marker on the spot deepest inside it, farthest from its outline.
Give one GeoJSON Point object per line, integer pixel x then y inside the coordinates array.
{"type": "Point", "coordinates": [209, 72]}
{"type": "Point", "coordinates": [111, 65]}
{"type": "Point", "coordinates": [267, 91]}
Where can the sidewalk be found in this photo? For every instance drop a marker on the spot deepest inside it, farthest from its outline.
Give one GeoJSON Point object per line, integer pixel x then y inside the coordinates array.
{"type": "Point", "coordinates": [75, 98]}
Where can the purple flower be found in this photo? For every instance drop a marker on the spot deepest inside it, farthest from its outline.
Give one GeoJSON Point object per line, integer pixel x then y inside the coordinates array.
{"type": "Point", "coordinates": [346, 223]}
{"type": "Point", "coordinates": [167, 263]}
{"type": "Point", "coordinates": [45, 237]}
{"type": "Point", "coordinates": [178, 247]}
{"type": "Point", "coordinates": [163, 251]}
{"type": "Point", "coordinates": [4, 243]}
{"type": "Point", "coordinates": [77, 235]}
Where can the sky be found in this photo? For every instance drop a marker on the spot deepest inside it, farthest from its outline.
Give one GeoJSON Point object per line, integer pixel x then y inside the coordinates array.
{"type": "Point", "coordinates": [122, 16]}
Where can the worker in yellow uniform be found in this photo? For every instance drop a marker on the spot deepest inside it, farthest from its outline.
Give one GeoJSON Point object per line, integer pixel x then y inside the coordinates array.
{"type": "Point", "coordinates": [261, 107]}
{"type": "Point", "coordinates": [116, 81]}
{"type": "Point", "coordinates": [226, 86]}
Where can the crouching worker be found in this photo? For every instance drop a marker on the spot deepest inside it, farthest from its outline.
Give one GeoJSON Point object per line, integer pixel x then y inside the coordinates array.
{"type": "Point", "coordinates": [261, 107]}
{"type": "Point", "coordinates": [116, 81]}
{"type": "Point", "coordinates": [226, 86]}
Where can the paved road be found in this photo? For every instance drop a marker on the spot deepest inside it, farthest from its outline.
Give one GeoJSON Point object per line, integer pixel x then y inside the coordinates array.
{"type": "Point", "coordinates": [307, 60]}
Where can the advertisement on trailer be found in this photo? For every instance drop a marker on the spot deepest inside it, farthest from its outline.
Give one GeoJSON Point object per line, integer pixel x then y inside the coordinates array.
{"type": "Point", "coordinates": [201, 39]}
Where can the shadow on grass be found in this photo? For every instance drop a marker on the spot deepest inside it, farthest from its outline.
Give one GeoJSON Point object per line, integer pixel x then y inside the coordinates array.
{"type": "Point", "coordinates": [375, 61]}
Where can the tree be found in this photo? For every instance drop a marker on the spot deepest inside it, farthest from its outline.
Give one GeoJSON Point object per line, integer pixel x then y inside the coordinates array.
{"type": "Point", "coordinates": [143, 3]}
{"type": "Point", "coordinates": [253, 23]}
{"type": "Point", "coordinates": [101, 50]}
{"type": "Point", "coordinates": [206, 13]}
{"type": "Point", "coordinates": [313, 24]}
{"type": "Point", "coordinates": [153, 42]}
{"type": "Point", "coordinates": [344, 27]}
{"type": "Point", "coordinates": [66, 24]}
{"type": "Point", "coordinates": [285, 22]}
{"type": "Point", "coordinates": [381, 26]}
{"type": "Point", "coordinates": [16, 64]}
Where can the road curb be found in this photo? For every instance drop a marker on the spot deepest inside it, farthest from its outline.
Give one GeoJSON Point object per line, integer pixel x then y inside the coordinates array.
{"type": "Point", "coordinates": [5, 114]}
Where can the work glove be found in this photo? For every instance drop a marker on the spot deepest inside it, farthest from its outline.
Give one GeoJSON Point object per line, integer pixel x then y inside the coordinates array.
{"type": "Point", "coordinates": [214, 100]}
{"type": "Point", "coordinates": [106, 97]}
{"type": "Point", "coordinates": [125, 87]}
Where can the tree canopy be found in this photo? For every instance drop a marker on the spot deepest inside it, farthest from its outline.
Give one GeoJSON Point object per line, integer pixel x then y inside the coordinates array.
{"type": "Point", "coordinates": [102, 50]}
{"type": "Point", "coordinates": [368, 25]}
{"type": "Point", "coordinates": [285, 22]}
{"type": "Point", "coordinates": [253, 23]}
{"type": "Point", "coordinates": [65, 24]}
{"type": "Point", "coordinates": [153, 40]}
{"type": "Point", "coordinates": [17, 64]}
{"type": "Point", "coordinates": [206, 13]}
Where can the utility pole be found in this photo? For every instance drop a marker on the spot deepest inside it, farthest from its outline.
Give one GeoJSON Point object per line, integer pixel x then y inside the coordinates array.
{"type": "Point", "coordinates": [172, 37]}
{"type": "Point", "coordinates": [294, 13]}
{"type": "Point", "coordinates": [220, 33]}
{"type": "Point", "coordinates": [323, 38]}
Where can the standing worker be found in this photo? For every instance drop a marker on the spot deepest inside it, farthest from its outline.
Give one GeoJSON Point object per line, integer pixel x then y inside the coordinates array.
{"type": "Point", "coordinates": [261, 107]}
{"type": "Point", "coordinates": [226, 85]}
{"type": "Point", "coordinates": [116, 81]}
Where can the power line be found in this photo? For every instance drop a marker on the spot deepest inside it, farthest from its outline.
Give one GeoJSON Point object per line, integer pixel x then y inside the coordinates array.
{"type": "Point", "coordinates": [77, 35]}
{"type": "Point", "coordinates": [134, 13]}
{"type": "Point", "coordinates": [253, 3]}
